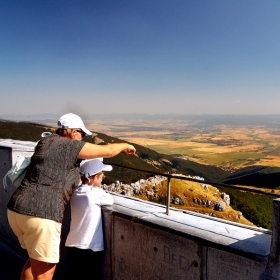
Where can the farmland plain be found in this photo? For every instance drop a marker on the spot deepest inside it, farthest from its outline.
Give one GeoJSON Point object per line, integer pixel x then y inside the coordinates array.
{"type": "Point", "coordinates": [223, 145]}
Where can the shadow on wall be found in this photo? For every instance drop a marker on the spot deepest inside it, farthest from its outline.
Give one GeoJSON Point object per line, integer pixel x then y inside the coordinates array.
{"type": "Point", "coordinates": [11, 264]}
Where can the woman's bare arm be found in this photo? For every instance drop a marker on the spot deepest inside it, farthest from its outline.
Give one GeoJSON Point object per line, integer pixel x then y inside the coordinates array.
{"type": "Point", "coordinates": [94, 151]}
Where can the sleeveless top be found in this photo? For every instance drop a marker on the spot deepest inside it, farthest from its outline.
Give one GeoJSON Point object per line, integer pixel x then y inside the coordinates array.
{"type": "Point", "coordinates": [50, 179]}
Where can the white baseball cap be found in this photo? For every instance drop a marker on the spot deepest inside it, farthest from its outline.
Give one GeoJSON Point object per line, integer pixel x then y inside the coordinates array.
{"type": "Point", "coordinates": [94, 166]}
{"type": "Point", "coordinates": [72, 121]}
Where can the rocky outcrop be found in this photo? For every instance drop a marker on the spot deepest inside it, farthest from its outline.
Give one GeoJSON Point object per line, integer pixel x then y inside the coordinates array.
{"type": "Point", "coordinates": [220, 206]}
{"type": "Point", "coordinates": [225, 197]}
{"type": "Point", "coordinates": [178, 200]}
{"type": "Point", "coordinates": [150, 189]}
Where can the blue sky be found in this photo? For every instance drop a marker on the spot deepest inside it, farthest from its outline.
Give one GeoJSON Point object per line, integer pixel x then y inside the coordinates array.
{"type": "Point", "coordinates": [146, 56]}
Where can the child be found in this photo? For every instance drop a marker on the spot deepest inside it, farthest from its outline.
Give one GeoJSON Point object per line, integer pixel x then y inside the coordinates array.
{"type": "Point", "coordinates": [85, 239]}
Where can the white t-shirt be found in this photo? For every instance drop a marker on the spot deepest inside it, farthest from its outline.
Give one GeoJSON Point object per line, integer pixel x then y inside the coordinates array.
{"type": "Point", "coordinates": [86, 221]}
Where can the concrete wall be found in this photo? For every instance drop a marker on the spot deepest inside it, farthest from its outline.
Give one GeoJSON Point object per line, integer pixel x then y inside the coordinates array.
{"type": "Point", "coordinates": [147, 245]}
{"type": "Point", "coordinates": [142, 242]}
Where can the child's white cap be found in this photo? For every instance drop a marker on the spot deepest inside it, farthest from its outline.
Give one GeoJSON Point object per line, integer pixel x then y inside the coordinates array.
{"type": "Point", "coordinates": [94, 166]}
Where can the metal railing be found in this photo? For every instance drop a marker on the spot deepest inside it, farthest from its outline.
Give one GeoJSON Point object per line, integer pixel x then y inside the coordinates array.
{"type": "Point", "coordinates": [175, 176]}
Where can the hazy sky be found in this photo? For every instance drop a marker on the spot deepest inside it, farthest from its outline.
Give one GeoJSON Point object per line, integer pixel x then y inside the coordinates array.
{"type": "Point", "coordinates": [140, 56]}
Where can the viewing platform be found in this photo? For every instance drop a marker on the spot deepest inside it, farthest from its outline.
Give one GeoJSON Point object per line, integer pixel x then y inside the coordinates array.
{"type": "Point", "coordinates": [142, 241]}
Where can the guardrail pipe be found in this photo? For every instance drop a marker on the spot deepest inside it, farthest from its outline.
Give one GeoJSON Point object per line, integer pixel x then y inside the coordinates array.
{"type": "Point", "coordinates": [168, 194]}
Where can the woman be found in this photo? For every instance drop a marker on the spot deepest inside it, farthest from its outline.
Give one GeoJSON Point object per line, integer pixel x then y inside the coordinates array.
{"type": "Point", "coordinates": [36, 208]}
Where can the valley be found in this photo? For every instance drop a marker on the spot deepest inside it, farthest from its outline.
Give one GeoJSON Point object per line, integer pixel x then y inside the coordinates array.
{"type": "Point", "coordinates": [224, 145]}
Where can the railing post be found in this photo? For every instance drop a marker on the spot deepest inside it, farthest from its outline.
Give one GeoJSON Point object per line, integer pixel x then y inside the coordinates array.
{"type": "Point", "coordinates": [168, 194]}
{"type": "Point", "coordinates": [275, 239]}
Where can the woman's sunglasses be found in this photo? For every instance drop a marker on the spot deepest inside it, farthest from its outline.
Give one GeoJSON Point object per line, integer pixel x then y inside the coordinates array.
{"type": "Point", "coordinates": [82, 133]}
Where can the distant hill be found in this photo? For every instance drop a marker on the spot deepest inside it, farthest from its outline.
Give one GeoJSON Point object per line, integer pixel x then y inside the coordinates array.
{"type": "Point", "coordinates": [258, 176]}
{"type": "Point", "coordinates": [26, 131]}
{"type": "Point", "coordinates": [201, 120]}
